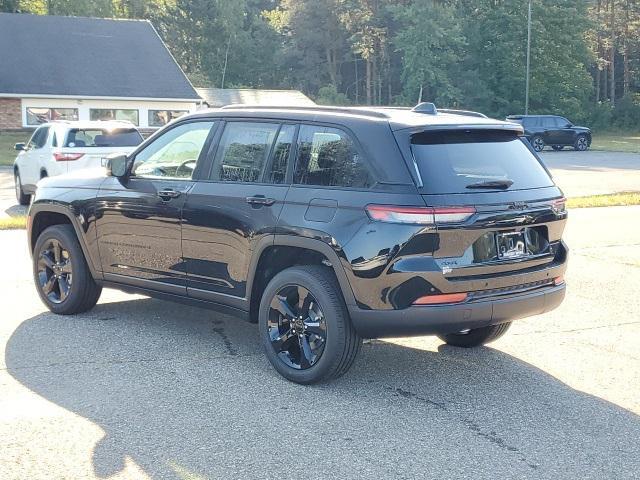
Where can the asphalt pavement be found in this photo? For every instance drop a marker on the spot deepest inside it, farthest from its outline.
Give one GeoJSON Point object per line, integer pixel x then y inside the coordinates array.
{"type": "Point", "coordinates": [141, 388]}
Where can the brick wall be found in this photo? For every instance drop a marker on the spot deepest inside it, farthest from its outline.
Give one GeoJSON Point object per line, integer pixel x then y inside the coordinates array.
{"type": "Point", "coordinates": [10, 114]}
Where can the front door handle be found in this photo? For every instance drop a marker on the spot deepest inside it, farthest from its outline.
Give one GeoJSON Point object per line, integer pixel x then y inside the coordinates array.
{"type": "Point", "coordinates": [169, 193]}
{"type": "Point", "coordinates": [261, 200]}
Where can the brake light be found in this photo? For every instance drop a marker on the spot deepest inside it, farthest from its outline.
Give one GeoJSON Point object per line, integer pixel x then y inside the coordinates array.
{"type": "Point", "coordinates": [419, 215]}
{"type": "Point", "coordinates": [559, 205]}
{"type": "Point", "coordinates": [67, 157]}
{"type": "Point", "coordinates": [441, 299]}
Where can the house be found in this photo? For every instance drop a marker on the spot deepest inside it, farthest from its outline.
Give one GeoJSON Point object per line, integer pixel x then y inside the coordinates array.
{"type": "Point", "coordinates": [74, 68]}
{"type": "Point", "coordinates": [219, 97]}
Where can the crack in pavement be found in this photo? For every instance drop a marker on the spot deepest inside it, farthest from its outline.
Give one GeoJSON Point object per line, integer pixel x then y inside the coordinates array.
{"type": "Point", "coordinates": [578, 329]}
{"type": "Point", "coordinates": [472, 426]}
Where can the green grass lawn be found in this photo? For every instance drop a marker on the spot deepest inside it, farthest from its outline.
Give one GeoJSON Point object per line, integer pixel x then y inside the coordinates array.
{"type": "Point", "coordinates": [7, 141]}
{"type": "Point", "coordinates": [616, 142]}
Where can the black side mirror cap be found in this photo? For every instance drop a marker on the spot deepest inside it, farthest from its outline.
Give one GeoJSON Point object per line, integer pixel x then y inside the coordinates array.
{"type": "Point", "coordinates": [117, 165]}
{"type": "Point", "coordinates": [20, 146]}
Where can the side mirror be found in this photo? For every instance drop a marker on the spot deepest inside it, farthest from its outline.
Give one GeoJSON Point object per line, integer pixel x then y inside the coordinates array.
{"type": "Point", "coordinates": [20, 146]}
{"type": "Point", "coordinates": [117, 165]}
{"type": "Point", "coordinates": [568, 125]}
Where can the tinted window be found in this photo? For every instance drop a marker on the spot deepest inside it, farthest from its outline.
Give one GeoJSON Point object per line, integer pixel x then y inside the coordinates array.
{"type": "Point", "coordinates": [243, 151]}
{"type": "Point", "coordinates": [328, 157]}
{"type": "Point", "coordinates": [174, 153]}
{"type": "Point", "coordinates": [550, 122]}
{"type": "Point", "coordinates": [96, 137]}
{"type": "Point", "coordinates": [450, 161]}
{"type": "Point", "coordinates": [278, 171]}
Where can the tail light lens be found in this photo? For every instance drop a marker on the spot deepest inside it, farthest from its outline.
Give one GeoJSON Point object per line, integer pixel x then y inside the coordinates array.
{"type": "Point", "coordinates": [419, 215]}
{"type": "Point", "coordinates": [559, 205]}
{"type": "Point", "coordinates": [67, 157]}
{"type": "Point", "coordinates": [441, 299]}
{"type": "Point", "coordinates": [558, 280]}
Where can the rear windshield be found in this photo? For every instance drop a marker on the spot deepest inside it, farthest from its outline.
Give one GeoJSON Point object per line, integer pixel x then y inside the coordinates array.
{"type": "Point", "coordinates": [468, 161]}
{"type": "Point", "coordinates": [97, 137]}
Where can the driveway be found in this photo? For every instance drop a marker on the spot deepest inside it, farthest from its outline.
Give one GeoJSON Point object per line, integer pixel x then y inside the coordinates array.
{"type": "Point", "coordinates": [593, 173]}
{"type": "Point", "coordinates": [577, 173]}
{"type": "Point", "coordinates": [140, 388]}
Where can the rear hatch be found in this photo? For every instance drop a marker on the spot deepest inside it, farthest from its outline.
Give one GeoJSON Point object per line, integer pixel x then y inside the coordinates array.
{"type": "Point", "coordinates": [89, 147]}
{"type": "Point", "coordinates": [513, 215]}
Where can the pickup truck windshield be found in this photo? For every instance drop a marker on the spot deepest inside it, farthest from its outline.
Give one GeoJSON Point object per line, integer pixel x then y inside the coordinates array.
{"type": "Point", "coordinates": [468, 161]}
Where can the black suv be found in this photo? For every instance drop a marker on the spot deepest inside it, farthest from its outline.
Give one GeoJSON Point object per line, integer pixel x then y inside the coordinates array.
{"type": "Point", "coordinates": [323, 225]}
{"type": "Point", "coordinates": [552, 130]}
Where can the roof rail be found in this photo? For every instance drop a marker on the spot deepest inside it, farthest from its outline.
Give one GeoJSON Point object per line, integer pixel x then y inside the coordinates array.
{"type": "Point", "coordinates": [307, 108]}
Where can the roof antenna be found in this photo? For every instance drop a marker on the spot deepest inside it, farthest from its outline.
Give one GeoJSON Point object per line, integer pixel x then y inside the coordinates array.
{"type": "Point", "coordinates": [425, 107]}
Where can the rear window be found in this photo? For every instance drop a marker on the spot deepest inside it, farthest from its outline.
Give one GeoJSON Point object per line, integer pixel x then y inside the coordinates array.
{"type": "Point", "coordinates": [96, 137]}
{"type": "Point", "coordinates": [461, 161]}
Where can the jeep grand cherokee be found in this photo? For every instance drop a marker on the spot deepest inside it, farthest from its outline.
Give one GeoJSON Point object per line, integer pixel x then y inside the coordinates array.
{"type": "Point", "coordinates": [324, 225]}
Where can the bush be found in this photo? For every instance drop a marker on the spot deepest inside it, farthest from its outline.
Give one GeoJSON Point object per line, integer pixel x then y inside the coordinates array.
{"type": "Point", "coordinates": [626, 115]}
{"type": "Point", "coordinates": [600, 116]}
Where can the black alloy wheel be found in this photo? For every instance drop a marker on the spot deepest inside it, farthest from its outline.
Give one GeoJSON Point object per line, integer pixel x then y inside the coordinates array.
{"type": "Point", "coordinates": [55, 271]}
{"type": "Point", "coordinates": [297, 327]}
{"type": "Point", "coordinates": [61, 273]}
{"type": "Point", "coordinates": [305, 327]}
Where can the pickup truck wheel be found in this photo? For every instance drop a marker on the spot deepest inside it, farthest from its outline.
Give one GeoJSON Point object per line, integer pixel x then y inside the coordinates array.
{"type": "Point", "coordinates": [537, 143]}
{"type": "Point", "coordinates": [21, 197]}
{"type": "Point", "coordinates": [476, 336]}
{"type": "Point", "coordinates": [61, 273]}
{"type": "Point", "coordinates": [305, 327]}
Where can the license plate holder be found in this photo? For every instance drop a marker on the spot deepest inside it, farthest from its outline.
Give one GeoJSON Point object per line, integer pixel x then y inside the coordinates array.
{"type": "Point", "coordinates": [511, 244]}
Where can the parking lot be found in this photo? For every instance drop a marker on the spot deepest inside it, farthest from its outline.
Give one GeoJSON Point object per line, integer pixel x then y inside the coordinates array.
{"type": "Point", "coordinates": [140, 388]}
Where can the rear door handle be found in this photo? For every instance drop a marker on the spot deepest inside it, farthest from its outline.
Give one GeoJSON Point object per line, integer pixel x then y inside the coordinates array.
{"type": "Point", "coordinates": [169, 193]}
{"type": "Point", "coordinates": [261, 200]}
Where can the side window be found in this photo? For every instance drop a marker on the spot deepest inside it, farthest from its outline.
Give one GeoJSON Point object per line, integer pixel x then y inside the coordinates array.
{"type": "Point", "coordinates": [39, 138]}
{"type": "Point", "coordinates": [278, 171]}
{"type": "Point", "coordinates": [328, 157]}
{"type": "Point", "coordinates": [243, 151]}
{"type": "Point", "coordinates": [54, 139]}
{"type": "Point", "coordinates": [173, 154]}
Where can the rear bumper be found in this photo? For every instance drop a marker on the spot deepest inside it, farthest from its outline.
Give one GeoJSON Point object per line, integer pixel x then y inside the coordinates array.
{"type": "Point", "coordinates": [430, 320]}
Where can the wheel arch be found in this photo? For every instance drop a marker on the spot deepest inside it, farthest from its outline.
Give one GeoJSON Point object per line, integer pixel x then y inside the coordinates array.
{"type": "Point", "coordinates": [284, 251]}
{"type": "Point", "coordinates": [41, 217]}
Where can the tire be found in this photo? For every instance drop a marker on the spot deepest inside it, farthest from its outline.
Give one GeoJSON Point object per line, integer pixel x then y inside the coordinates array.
{"type": "Point", "coordinates": [537, 143]}
{"type": "Point", "coordinates": [581, 144]}
{"type": "Point", "coordinates": [476, 336]}
{"type": "Point", "coordinates": [61, 274]}
{"type": "Point", "coordinates": [307, 298]}
{"type": "Point", "coordinates": [557, 148]}
{"type": "Point", "coordinates": [21, 197]}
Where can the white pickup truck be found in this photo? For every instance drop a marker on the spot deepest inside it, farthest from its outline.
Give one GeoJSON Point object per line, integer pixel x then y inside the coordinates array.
{"type": "Point", "coordinates": [60, 147]}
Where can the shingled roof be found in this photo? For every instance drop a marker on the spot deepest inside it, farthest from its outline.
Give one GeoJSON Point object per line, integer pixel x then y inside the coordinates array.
{"type": "Point", "coordinates": [87, 57]}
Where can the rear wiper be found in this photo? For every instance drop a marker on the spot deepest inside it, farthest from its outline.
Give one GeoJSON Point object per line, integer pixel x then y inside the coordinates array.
{"type": "Point", "coordinates": [501, 184]}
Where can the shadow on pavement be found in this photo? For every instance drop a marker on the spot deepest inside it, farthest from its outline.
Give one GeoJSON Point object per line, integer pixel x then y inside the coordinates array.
{"type": "Point", "coordinates": [184, 391]}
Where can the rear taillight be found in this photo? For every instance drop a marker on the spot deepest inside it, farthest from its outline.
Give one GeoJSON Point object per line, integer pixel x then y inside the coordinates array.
{"type": "Point", "coordinates": [559, 205]}
{"type": "Point", "coordinates": [67, 157]}
{"type": "Point", "coordinates": [558, 280]}
{"type": "Point", "coordinates": [441, 299]}
{"type": "Point", "coordinates": [419, 215]}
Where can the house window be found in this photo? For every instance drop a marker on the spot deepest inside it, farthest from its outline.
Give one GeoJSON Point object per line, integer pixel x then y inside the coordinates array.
{"type": "Point", "coordinates": [158, 118]}
{"type": "Point", "coordinates": [129, 115]}
{"type": "Point", "coordinates": [38, 115]}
